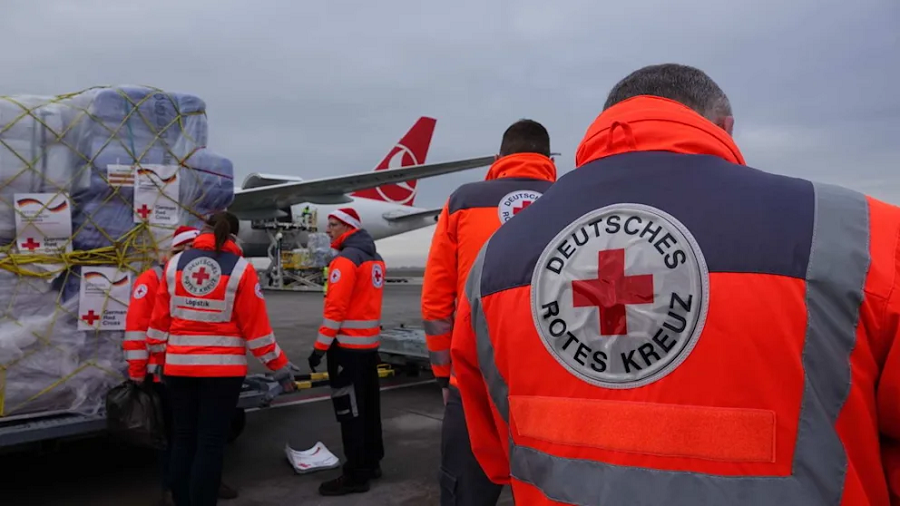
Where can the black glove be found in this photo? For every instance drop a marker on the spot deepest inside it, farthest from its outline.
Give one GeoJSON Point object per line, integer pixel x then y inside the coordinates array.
{"type": "Point", "coordinates": [315, 358]}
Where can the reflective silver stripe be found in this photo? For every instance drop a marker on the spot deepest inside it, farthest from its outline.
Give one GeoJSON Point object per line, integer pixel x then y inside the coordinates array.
{"type": "Point", "coordinates": [272, 355]}
{"type": "Point", "coordinates": [136, 355]}
{"type": "Point", "coordinates": [358, 339]}
{"type": "Point", "coordinates": [153, 369]}
{"type": "Point", "coordinates": [348, 391]}
{"type": "Point", "coordinates": [171, 271]}
{"type": "Point", "coordinates": [496, 385]}
{"type": "Point", "coordinates": [200, 303]}
{"type": "Point", "coordinates": [231, 288]}
{"type": "Point", "coordinates": [323, 339]}
{"type": "Point", "coordinates": [259, 342]}
{"type": "Point", "coordinates": [157, 334]}
{"type": "Point", "coordinates": [158, 270]}
{"type": "Point", "coordinates": [180, 359]}
{"type": "Point", "coordinates": [360, 324]}
{"type": "Point", "coordinates": [157, 348]}
{"type": "Point", "coordinates": [438, 327]}
{"type": "Point", "coordinates": [229, 341]}
{"type": "Point", "coordinates": [135, 335]}
{"type": "Point", "coordinates": [331, 324]}
{"type": "Point", "coordinates": [838, 264]}
{"type": "Point", "coordinates": [439, 357]}
{"type": "Point", "coordinates": [201, 316]}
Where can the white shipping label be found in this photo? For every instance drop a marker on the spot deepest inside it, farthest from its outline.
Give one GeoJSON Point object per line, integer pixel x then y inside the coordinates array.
{"type": "Point", "coordinates": [103, 298]}
{"type": "Point", "coordinates": [156, 195]}
{"type": "Point", "coordinates": [43, 223]}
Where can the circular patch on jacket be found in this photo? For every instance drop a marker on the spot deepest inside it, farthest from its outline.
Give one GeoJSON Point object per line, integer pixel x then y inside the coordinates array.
{"type": "Point", "coordinates": [258, 290]}
{"type": "Point", "coordinates": [201, 276]}
{"type": "Point", "coordinates": [140, 291]}
{"type": "Point", "coordinates": [514, 202]}
{"type": "Point", "coordinates": [335, 276]}
{"type": "Point", "coordinates": [377, 276]}
{"type": "Point", "coordinates": [620, 296]}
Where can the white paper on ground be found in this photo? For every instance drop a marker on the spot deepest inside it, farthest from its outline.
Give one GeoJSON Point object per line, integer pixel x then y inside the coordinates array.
{"type": "Point", "coordinates": [317, 458]}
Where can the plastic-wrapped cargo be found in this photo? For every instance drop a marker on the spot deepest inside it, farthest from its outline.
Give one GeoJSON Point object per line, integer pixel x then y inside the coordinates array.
{"type": "Point", "coordinates": [319, 245]}
{"type": "Point", "coordinates": [92, 185]}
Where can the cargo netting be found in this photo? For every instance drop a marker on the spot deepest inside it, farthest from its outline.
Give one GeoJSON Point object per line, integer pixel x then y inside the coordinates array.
{"type": "Point", "coordinates": [92, 186]}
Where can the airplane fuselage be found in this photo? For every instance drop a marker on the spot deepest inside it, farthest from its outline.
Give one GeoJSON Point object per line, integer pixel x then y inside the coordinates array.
{"type": "Point", "coordinates": [255, 242]}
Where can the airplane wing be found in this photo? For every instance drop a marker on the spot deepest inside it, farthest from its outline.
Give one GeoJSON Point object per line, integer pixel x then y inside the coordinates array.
{"type": "Point", "coordinates": [267, 201]}
{"type": "Point", "coordinates": [400, 218]}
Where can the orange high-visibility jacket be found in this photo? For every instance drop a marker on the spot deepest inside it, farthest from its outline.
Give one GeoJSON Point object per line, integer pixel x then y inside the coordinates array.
{"type": "Point", "coordinates": [141, 359]}
{"type": "Point", "coordinates": [352, 313]}
{"type": "Point", "coordinates": [469, 217]}
{"type": "Point", "coordinates": [669, 326]}
{"type": "Point", "coordinates": [209, 310]}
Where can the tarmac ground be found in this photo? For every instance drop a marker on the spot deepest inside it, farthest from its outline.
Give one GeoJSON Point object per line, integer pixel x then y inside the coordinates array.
{"type": "Point", "coordinates": [99, 471]}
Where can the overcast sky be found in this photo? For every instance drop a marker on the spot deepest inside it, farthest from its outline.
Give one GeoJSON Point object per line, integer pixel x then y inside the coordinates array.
{"type": "Point", "coordinates": [324, 88]}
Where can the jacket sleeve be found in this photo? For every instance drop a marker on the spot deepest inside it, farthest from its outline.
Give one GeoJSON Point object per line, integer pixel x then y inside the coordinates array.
{"type": "Point", "coordinates": [253, 321]}
{"type": "Point", "coordinates": [888, 393]}
{"type": "Point", "coordinates": [161, 319]}
{"type": "Point", "coordinates": [439, 295]}
{"type": "Point", "coordinates": [488, 433]}
{"type": "Point", "coordinates": [341, 281]}
{"type": "Point", "coordinates": [137, 321]}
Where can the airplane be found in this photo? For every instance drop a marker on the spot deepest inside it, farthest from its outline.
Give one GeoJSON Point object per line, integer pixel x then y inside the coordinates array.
{"type": "Point", "coordinates": [384, 198]}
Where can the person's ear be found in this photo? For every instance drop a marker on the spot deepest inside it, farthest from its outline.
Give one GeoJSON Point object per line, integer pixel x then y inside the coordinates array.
{"type": "Point", "coordinates": [726, 123]}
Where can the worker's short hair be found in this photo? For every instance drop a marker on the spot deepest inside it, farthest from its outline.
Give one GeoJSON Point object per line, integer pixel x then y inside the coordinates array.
{"type": "Point", "coordinates": [682, 83]}
{"type": "Point", "coordinates": [525, 136]}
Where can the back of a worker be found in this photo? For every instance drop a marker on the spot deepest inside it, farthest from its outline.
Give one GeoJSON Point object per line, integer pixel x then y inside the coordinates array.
{"type": "Point", "coordinates": [668, 326]}
{"type": "Point", "coordinates": [522, 172]}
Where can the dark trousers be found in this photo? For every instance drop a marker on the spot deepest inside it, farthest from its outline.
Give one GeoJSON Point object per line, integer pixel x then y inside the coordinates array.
{"type": "Point", "coordinates": [202, 409]}
{"type": "Point", "coordinates": [164, 456]}
{"type": "Point", "coordinates": [463, 482]}
{"type": "Point", "coordinates": [355, 394]}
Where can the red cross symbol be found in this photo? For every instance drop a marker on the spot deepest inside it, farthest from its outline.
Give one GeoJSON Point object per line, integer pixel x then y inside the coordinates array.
{"type": "Point", "coordinates": [522, 205]}
{"type": "Point", "coordinates": [30, 245]}
{"type": "Point", "coordinates": [144, 211]}
{"type": "Point", "coordinates": [90, 317]}
{"type": "Point", "coordinates": [611, 291]}
{"type": "Point", "coordinates": [378, 276]}
{"type": "Point", "coordinates": [200, 276]}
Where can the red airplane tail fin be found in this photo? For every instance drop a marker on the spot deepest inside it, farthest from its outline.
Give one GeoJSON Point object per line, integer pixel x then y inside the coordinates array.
{"type": "Point", "coordinates": [411, 150]}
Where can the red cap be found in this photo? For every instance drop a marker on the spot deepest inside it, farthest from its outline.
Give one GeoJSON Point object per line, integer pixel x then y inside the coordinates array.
{"type": "Point", "coordinates": [184, 235]}
{"type": "Point", "coordinates": [347, 216]}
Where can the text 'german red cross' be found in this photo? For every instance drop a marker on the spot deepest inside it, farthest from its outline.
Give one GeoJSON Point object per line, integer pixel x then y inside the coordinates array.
{"type": "Point", "coordinates": [611, 291]}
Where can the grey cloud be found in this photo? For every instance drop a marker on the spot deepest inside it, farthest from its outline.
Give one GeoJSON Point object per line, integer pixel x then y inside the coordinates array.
{"type": "Point", "coordinates": [321, 88]}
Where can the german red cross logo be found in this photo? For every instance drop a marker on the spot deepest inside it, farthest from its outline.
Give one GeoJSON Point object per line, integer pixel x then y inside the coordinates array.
{"type": "Point", "coordinates": [90, 317]}
{"type": "Point", "coordinates": [377, 276]}
{"type": "Point", "coordinates": [143, 211]}
{"type": "Point", "coordinates": [30, 244]}
{"type": "Point", "coordinates": [201, 276]}
{"type": "Point", "coordinates": [611, 291]}
{"type": "Point", "coordinates": [514, 203]}
{"type": "Point", "coordinates": [620, 295]}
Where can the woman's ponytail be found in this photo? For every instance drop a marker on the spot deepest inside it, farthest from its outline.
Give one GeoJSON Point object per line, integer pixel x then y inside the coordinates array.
{"type": "Point", "coordinates": [224, 225]}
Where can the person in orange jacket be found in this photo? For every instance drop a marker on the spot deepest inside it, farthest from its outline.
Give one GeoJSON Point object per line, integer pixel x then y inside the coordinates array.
{"type": "Point", "coordinates": [209, 311]}
{"type": "Point", "coordinates": [143, 363]}
{"type": "Point", "coordinates": [522, 172]}
{"type": "Point", "coordinates": [669, 326]}
{"type": "Point", "coordinates": [350, 335]}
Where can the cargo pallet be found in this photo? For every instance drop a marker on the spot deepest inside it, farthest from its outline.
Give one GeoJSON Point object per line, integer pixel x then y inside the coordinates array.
{"type": "Point", "coordinates": [401, 347]}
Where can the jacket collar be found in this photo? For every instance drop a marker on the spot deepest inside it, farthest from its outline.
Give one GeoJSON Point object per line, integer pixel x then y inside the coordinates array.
{"type": "Point", "coordinates": [338, 243]}
{"type": "Point", "coordinates": [649, 123]}
{"type": "Point", "coordinates": [530, 165]}
{"type": "Point", "coordinates": [207, 241]}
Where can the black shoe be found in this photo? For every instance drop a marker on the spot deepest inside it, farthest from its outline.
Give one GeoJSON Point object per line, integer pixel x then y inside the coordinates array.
{"type": "Point", "coordinates": [342, 485]}
{"type": "Point", "coordinates": [226, 492]}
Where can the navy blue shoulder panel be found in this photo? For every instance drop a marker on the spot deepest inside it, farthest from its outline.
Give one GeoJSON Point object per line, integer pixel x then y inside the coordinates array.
{"type": "Point", "coordinates": [226, 260]}
{"type": "Point", "coordinates": [489, 193]}
{"type": "Point", "coordinates": [745, 220]}
{"type": "Point", "coordinates": [358, 256]}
